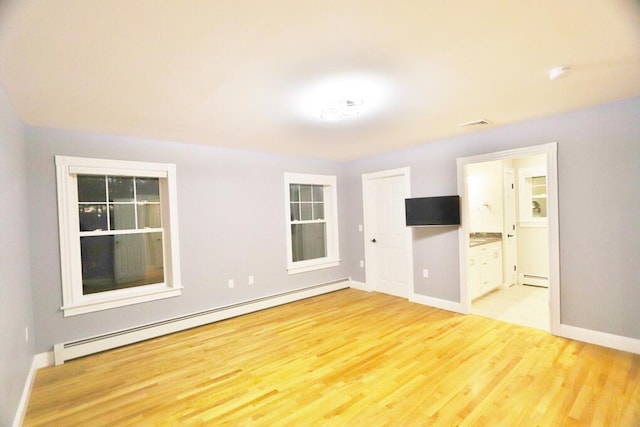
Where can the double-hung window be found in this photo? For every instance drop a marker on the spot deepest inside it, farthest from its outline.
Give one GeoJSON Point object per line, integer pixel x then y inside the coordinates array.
{"type": "Point", "coordinates": [312, 222]}
{"type": "Point", "coordinates": [118, 233]}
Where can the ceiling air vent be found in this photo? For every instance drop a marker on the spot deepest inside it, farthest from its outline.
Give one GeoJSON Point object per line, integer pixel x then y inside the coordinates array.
{"type": "Point", "coordinates": [481, 122]}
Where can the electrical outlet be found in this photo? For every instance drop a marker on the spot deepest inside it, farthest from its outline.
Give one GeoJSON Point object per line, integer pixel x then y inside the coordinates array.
{"type": "Point", "coordinates": [231, 284]}
{"type": "Point", "coordinates": [425, 273]}
{"type": "Point", "coordinates": [26, 334]}
{"type": "Point", "coordinates": [360, 228]}
{"type": "Point", "coordinates": [361, 264]}
{"type": "Point", "coordinates": [251, 281]}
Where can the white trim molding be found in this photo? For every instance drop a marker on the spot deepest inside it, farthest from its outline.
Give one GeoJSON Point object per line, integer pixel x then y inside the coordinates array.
{"type": "Point", "coordinates": [617, 342]}
{"type": "Point", "coordinates": [362, 286]}
{"type": "Point", "coordinates": [442, 304]}
{"type": "Point", "coordinates": [41, 360]}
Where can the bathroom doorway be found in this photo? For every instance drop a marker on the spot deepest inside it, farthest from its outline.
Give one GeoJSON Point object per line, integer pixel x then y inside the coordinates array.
{"type": "Point", "coordinates": [508, 238]}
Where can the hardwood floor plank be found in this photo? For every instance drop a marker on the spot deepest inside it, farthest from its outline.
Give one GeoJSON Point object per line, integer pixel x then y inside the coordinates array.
{"type": "Point", "coordinates": [345, 358]}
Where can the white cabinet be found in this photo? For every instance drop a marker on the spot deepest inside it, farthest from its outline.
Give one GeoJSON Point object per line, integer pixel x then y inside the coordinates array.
{"type": "Point", "coordinates": [485, 268]}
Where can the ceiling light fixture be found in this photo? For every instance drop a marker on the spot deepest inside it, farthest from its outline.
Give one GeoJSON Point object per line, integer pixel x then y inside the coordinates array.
{"type": "Point", "coordinates": [559, 72]}
{"type": "Point", "coordinates": [344, 109]}
{"type": "Point", "coordinates": [341, 97]}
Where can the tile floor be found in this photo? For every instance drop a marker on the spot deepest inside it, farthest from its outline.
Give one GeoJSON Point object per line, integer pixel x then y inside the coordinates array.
{"type": "Point", "coordinates": [520, 304]}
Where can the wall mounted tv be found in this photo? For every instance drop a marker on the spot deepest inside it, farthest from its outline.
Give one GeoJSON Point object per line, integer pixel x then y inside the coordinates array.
{"type": "Point", "coordinates": [432, 211]}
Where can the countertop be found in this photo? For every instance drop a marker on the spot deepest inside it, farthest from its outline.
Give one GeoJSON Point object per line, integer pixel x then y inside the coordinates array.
{"type": "Point", "coordinates": [481, 238]}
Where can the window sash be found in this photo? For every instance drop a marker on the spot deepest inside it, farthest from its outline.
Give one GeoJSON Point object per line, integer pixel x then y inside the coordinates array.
{"type": "Point", "coordinates": [67, 170]}
{"type": "Point", "coordinates": [121, 261]}
{"type": "Point", "coordinates": [118, 232]}
{"type": "Point", "coordinates": [306, 244]}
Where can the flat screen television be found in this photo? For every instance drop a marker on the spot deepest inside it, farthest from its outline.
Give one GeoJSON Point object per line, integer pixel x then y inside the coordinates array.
{"type": "Point", "coordinates": [432, 211]}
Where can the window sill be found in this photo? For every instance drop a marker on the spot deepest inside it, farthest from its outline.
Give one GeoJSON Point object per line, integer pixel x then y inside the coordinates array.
{"type": "Point", "coordinates": [303, 268]}
{"type": "Point", "coordinates": [120, 299]}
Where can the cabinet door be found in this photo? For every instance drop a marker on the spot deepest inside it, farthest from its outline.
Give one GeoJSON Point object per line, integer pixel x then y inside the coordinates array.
{"type": "Point", "coordinates": [484, 272]}
{"type": "Point", "coordinates": [473, 282]}
{"type": "Point", "coordinates": [494, 264]}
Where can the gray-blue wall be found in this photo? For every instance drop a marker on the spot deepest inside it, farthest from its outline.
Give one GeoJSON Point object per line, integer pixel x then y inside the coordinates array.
{"type": "Point", "coordinates": [231, 207]}
{"type": "Point", "coordinates": [15, 287]}
{"type": "Point", "coordinates": [599, 209]}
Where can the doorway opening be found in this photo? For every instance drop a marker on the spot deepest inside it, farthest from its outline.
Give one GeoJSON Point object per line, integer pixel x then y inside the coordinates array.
{"type": "Point", "coordinates": [509, 236]}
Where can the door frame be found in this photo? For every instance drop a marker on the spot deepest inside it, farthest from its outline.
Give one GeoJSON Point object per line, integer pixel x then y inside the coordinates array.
{"type": "Point", "coordinates": [509, 253]}
{"type": "Point", "coordinates": [550, 149]}
{"type": "Point", "coordinates": [368, 218]}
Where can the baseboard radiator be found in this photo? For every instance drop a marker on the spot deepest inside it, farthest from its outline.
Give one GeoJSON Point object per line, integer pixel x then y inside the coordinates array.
{"type": "Point", "coordinates": [533, 280]}
{"type": "Point", "coordinates": [74, 349]}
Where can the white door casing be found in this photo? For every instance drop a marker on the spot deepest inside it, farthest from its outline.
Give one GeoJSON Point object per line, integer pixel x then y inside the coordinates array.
{"type": "Point", "coordinates": [387, 240]}
{"type": "Point", "coordinates": [550, 150]}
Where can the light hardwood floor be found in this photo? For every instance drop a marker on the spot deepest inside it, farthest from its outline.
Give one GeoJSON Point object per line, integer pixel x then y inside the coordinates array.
{"type": "Point", "coordinates": [347, 358]}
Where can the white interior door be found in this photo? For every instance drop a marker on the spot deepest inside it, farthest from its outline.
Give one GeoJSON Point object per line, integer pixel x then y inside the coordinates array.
{"type": "Point", "coordinates": [387, 239]}
{"type": "Point", "coordinates": [510, 241]}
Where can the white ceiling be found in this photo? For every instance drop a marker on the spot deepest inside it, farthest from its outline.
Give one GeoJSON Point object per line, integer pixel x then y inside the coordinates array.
{"type": "Point", "coordinates": [233, 73]}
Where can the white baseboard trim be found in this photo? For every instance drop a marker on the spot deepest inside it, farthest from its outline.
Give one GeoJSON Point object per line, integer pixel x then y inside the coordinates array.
{"type": "Point", "coordinates": [437, 303]}
{"type": "Point", "coordinates": [40, 360]}
{"type": "Point", "coordinates": [359, 285]}
{"type": "Point", "coordinates": [604, 339]}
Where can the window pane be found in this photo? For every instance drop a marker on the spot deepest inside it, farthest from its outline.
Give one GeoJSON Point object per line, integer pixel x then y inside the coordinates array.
{"type": "Point", "coordinates": [305, 193]}
{"type": "Point", "coordinates": [318, 193]}
{"type": "Point", "coordinates": [122, 261]}
{"type": "Point", "coordinates": [97, 263]}
{"type": "Point", "coordinates": [147, 189]}
{"type": "Point", "coordinates": [318, 211]}
{"type": "Point", "coordinates": [92, 188]}
{"type": "Point", "coordinates": [93, 217]}
{"type": "Point", "coordinates": [149, 216]}
{"type": "Point", "coordinates": [123, 216]}
{"type": "Point", "coordinates": [295, 211]}
{"type": "Point", "coordinates": [120, 189]}
{"type": "Point", "coordinates": [306, 212]}
{"type": "Point", "coordinates": [308, 241]}
{"type": "Point", "coordinates": [294, 192]}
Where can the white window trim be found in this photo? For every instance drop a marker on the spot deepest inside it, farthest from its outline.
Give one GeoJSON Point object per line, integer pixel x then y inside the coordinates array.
{"type": "Point", "coordinates": [331, 217]}
{"type": "Point", "coordinates": [74, 302]}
